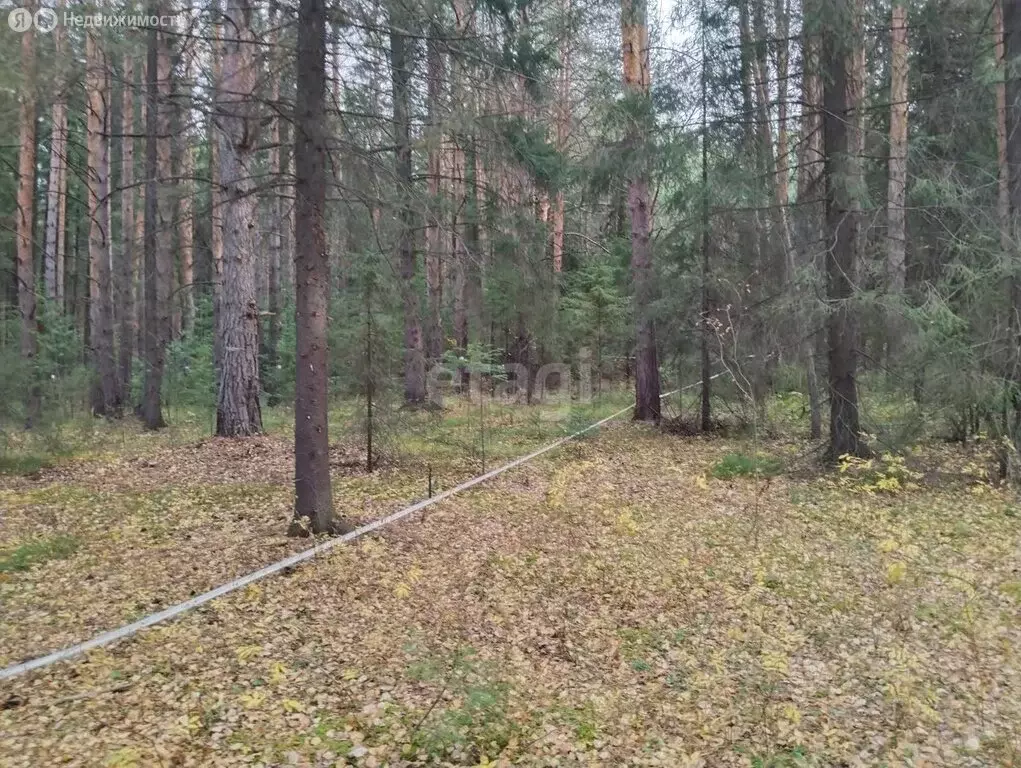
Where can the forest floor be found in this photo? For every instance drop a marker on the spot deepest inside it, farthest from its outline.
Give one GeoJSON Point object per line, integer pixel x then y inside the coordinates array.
{"type": "Point", "coordinates": [634, 598]}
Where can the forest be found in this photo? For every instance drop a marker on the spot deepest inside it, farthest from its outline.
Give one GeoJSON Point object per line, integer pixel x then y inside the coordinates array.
{"type": "Point", "coordinates": [510, 382]}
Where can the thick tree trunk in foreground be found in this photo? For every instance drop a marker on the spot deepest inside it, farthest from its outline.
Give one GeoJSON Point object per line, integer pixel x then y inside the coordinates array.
{"type": "Point", "coordinates": [56, 194]}
{"type": "Point", "coordinates": [434, 236]}
{"type": "Point", "coordinates": [313, 510]}
{"type": "Point", "coordinates": [276, 209]}
{"type": "Point", "coordinates": [238, 411]}
{"type": "Point", "coordinates": [842, 177]}
{"type": "Point", "coordinates": [897, 170]}
{"type": "Point", "coordinates": [563, 127]}
{"type": "Point", "coordinates": [414, 359]}
{"type": "Point", "coordinates": [126, 274]}
{"type": "Point", "coordinates": [106, 399]}
{"type": "Point", "coordinates": [810, 205]}
{"type": "Point", "coordinates": [185, 212]}
{"type": "Point", "coordinates": [25, 218]}
{"type": "Point", "coordinates": [158, 223]}
{"type": "Point", "coordinates": [1003, 194]}
{"type": "Point", "coordinates": [216, 200]}
{"type": "Point", "coordinates": [637, 80]}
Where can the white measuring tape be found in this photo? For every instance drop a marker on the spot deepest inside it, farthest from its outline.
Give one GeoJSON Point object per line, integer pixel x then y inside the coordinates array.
{"type": "Point", "coordinates": [176, 610]}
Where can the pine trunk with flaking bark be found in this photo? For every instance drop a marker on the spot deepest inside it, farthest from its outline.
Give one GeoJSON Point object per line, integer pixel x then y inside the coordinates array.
{"type": "Point", "coordinates": [276, 208]}
{"type": "Point", "coordinates": [128, 331]}
{"type": "Point", "coordinates": [841, 103]}
{"type": "Point", "coordinates": [185, 209]}
{"type": "Point", "coordinates": [637, 82]}
{"type": "Point", "coordinates": [106, 399]}
{"type": "Point", "coordinates": [25, 218]}
{"type": "Point", "coordinates": [56, 193]}
{"type": "Point", "coordinates": [434, 235]}
{"type": "Point", "coordinates": [563, 127]}
{"type": "Point", "coordinates": [400, 67]}
{"type": "Point", "coordinates": [459, 192]}
{"type": "Point", "coordinates": [1002, 192]}
{"type": "Point", "coordinates": [216, 197]}
{"type": "Point", "coordinates": [897, 170]}
{"type": "Point", "coordinates": [313, 511]}
{"type": "Point", "coordinates": [1012, 98]}
{"type": "Point", "coordinates": [238, 412]}
{"type": "Point", "coordinates": [810, 197]}
{"type": "Point", "coordinates": [158, 223]}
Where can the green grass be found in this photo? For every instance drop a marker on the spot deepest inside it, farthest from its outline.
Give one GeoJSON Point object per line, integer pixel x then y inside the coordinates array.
{"type": "Point", "coordinates": [37, 551]}
{"type": "Point", "coordinates": [22, 464]}
{"type": "Point", "coordinates": [742, 465]}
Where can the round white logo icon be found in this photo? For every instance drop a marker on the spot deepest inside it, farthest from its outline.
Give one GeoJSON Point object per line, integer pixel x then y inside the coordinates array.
{"type": "Point", "coordinates": [20, 19]}
{"type": "Point", "coordinates": [45, 19]}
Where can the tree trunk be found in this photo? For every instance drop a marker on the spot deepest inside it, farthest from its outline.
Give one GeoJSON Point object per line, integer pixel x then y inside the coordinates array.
{"type": "Point", "coordinates": [237, 120]}
{"type": "Point", "coordinates": [276, 210]}
{"type": "Point", "coordinates": [126, 288]}
{"type": "Point", "coordinates": [25, 270]}
{"type": "Point", "coordinates": [185, 211]}
{"type": "Point", "coordinates": [563, 120]}
{"type": "Point", "coordinates": [1012, 95]}
{"type": "Point", "coordinates": [434, 255]}
{"type": "Point", "coordinates": [400, 67]}
{"type": "Point", "coordinates": [1003, 194]}
{"type": "Point", "coordinates": [810, 196]}
{"type": "Point", "coordinates": [898, 161]}
{"type": "Point", "coordinates": [158, 221]}
{"type": "Point", "coordinates": [897, 176]}
{"type": "Point", "coordinates": [106, 400]}
{"type": "Point", "coordinates": [842, 178]}
{"type": "Point", "coordinates": [55, 191]}
{"type": "Point", "coordinates": [637, 81]}
{"type": "Point", "coordinates": [216, 202]}
{"type": "Point", "coordinates": [313, 510]}
{"type": "Point", "coordinates": [706, 381]}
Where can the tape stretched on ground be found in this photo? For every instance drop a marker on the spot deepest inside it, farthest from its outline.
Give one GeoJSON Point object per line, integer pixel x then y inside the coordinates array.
{"type": "Point", "coordinates": [176, 610]}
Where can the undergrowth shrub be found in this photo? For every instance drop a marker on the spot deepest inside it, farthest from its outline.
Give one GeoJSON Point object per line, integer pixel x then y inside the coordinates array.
{"type": "Point", "coordinates": [473, 722]}
{"type": "Point", "coordinates": [745, 465]}
{"type": "Point", "coordinates": [37, 551]}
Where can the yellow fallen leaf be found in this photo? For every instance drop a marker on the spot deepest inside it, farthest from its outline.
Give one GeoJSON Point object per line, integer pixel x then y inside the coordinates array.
{"type": "Point", "coordinates": [290, 705]}
{"type": "Point", "coordinates": [896, 572]}
{"type": "Point", "coordinates": [402, 591]}
{"type": "Point", "coordinates": [277, 672]}
{"type": "Point", "coordinates": [253, 700]}
{"type": "Point", "coordinates": [245, 652]}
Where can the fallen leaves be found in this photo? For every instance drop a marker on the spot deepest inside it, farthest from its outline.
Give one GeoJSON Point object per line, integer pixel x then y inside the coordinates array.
{"type": "Point", "coordinates": [600, 607]}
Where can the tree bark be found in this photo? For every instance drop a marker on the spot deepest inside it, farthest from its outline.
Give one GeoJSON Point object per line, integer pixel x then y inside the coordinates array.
{"type": "Point", "coordinates": [313, 510]}
{"type": "Point", "coordinates": [128, 330]}
{"type": "Point", "coordinates": [842, 178]}
{"type": "Point", "coordinates": [158, 223]}
{"type": "Point", "coordinates": [898, 161]}
{"type": "Point", "coordinates": [434, 239]}
{"type": "Point", "coordinates": [563, 128]}
{"type": "Point", "coordinates": [55, 191]}
{"type": "Point", "coordinates": [24, 268]}
{"type": "Point", "coordinates": [1012, 94]}
{"type": "Point", "coordinates": [216, 200]}
{"type": "Point", "coordinates": [106, 399]}
{"type": "Point", "coordinates": [400, 67]}
{"type": "Point", "coordinates": [186, 190]}
{"type": "Point", "coordinates": [637, 81]}
{"type": "Point", "coordinates": [276, 208]}
{"type": "Point", "coordinates": [238, 412]}
{"type": "Point", "coordinates": [897, 170]}
{"type": "Point", "coordinates": [1003, 194]}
